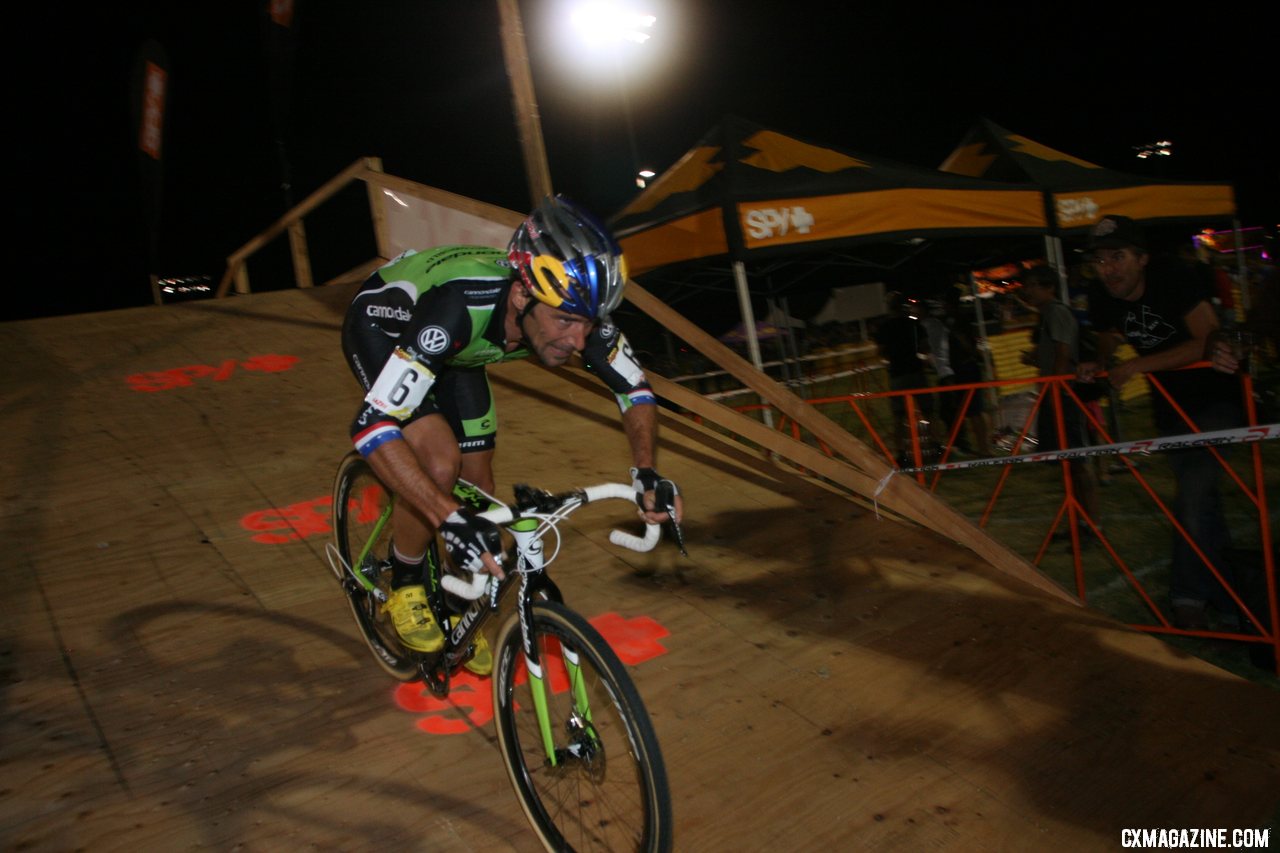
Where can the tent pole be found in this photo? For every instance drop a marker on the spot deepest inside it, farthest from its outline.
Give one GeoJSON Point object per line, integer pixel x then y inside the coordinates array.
{"type": "Point", "coordinates": [749, 324]}
{"type": "Point", "coordinates": [1242, 272]}
{"type": "Point", "coordinates": [1053, 252]}
{"type": "Point", "coordinates": [791, 340]}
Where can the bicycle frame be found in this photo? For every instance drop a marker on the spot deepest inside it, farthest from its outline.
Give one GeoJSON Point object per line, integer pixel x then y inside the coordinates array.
{"type": "Point", "coordinates": [529, 565]}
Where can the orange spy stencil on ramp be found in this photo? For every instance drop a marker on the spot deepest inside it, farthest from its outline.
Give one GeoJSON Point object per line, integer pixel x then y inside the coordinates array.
{"type": "Point", "coordinates": [635, 641]}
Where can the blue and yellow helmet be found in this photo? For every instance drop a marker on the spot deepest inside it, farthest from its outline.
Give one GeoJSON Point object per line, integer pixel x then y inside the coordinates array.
{"type": "Point", "coordinates": [569, 260]}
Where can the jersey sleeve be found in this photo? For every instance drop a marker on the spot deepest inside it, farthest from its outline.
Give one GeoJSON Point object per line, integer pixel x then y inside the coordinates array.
{"type": "Point", "coordinates": [441, 327]}
{"type": "Point", "coordinates": [609, 356]}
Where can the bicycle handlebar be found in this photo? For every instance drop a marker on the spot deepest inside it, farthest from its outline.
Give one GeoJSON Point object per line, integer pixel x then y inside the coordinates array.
{"type": "Point", "coordinates": [474, 589]}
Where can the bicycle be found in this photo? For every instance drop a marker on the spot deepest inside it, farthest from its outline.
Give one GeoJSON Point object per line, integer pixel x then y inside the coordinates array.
{"type": "Point", "coordinates": [574, 734]}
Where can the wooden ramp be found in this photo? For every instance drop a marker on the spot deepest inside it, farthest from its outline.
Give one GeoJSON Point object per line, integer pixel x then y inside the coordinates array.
{"type": "Point", "coordinates": [180, 671]}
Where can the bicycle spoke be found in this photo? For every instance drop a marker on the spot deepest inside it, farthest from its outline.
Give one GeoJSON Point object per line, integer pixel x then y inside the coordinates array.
{"type": "Point", "coordinates": [361, 508]}
{"type": "Point", "coordinates": [607, 788]}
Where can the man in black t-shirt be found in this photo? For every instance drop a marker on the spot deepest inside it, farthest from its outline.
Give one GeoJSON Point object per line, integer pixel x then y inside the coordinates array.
{"type": "Point", "coordinates": [1162, 310]}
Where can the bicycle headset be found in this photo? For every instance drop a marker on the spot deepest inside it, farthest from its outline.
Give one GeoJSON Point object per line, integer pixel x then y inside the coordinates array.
{"type": "Point", "coordinates": [568, 260]}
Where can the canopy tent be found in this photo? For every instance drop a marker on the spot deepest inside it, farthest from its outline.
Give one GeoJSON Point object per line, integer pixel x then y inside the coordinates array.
{"type": "Point", "coordinates": [748, 192]}
{"type": "Point", "coordinates": [1079, 193]}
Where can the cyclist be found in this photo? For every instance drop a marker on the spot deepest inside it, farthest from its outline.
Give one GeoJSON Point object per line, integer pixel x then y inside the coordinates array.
{"type": "Point", "coordinates": [418, 335]}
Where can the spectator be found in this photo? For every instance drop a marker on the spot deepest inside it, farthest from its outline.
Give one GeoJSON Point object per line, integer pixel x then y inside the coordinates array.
{"type": "Point", "coordinates": [901, 344]}
{"type": "Point", "coordinates": [1057, 353]}
{"type": "Point", "coordinates": [966, 361]}
{"type": "Point", "coordinates": [1163, 311]}
{"type": "Point", "coordinates": [934, 323]}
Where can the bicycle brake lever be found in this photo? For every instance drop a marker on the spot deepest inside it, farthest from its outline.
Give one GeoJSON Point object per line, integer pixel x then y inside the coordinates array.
{"type": "Point", "coordinates": [664, 500]}
{"type": "Point", "coordinates": [678, 535]}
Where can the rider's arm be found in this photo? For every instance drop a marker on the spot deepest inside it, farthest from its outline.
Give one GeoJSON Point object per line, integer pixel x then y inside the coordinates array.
{"type": "Point", "coordinates": [397, 466]}
{"type": "Point", "coordinates": [608, 355]}
{"type": "Point", "coordinates": [640, 423]}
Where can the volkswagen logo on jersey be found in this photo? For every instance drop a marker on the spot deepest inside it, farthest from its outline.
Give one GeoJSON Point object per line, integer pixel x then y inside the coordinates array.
{"type": "Point", "coordinates": [433, 340]}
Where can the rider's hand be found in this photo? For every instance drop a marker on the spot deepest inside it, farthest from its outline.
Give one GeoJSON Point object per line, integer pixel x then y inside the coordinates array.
{"type": "Point", "coordinates": [644, 481]}
{"type": "Point", "coordinates": [472, 542]}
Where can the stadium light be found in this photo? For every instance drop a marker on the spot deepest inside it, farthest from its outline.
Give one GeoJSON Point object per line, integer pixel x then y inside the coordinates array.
{"type": "Point", "coordinates": [602, 22]}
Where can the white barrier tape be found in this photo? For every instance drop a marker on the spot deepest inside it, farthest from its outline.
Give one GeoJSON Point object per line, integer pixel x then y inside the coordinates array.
{"type": "Point", "coordinates": [1215, 438]}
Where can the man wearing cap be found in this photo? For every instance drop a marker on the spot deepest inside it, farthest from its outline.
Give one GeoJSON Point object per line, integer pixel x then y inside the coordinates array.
{"type": "Point", "coordinates": [1160, 307]}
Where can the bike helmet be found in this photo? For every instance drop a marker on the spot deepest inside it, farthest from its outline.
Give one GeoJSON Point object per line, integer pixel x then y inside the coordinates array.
{"type": "Point", "coordinates": [568, 260]}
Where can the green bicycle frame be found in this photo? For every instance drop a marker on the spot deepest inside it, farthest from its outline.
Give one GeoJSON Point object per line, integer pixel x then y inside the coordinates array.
{"type": "Point", "coordinates": [524, 531]}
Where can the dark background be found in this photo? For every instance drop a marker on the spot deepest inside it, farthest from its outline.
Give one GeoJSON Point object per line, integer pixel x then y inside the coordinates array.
{"type": "Point", "coordinates": [423, 86]}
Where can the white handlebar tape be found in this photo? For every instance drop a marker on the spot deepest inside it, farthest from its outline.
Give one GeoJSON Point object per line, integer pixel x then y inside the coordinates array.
{"type": "Point", "coordinates": [637, 543]}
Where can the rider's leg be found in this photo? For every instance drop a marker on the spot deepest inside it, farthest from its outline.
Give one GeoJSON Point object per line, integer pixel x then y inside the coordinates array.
{"type": "Point", "coordinates": [475, 423]}
{"type": "Point", "coordinates": [433, 443]}
{"type": "Point", "coordinates": [477, 468]}
{"type": "Point", "coordinates": [436, 448]}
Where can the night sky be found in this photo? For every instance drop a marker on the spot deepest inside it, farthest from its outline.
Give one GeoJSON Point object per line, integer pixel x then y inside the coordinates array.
{"type": "Point", "coordinates": [423, 86]}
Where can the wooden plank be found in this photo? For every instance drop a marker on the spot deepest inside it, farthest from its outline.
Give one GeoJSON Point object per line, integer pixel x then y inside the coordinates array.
{"type": "Point", "coordinates": [298, 252]}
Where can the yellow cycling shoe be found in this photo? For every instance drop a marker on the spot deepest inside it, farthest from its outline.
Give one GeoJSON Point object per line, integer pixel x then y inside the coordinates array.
{"type": "Point", "coordinates": [481, 663]}
{"type": "Point", "coordinates": [411, 616]}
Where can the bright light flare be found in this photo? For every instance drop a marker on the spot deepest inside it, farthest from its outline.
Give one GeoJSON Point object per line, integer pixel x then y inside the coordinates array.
{"type": "Point", "coordinates": [603, 23]}
{"type": "Point", "coordinates": [1163, 148]}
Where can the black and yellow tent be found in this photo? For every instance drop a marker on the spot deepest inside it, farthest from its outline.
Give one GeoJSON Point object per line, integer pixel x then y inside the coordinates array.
{"type": "Point", "coordinates": [747, 191]}
{"type": "Point", "coordinates": [1079, 193]}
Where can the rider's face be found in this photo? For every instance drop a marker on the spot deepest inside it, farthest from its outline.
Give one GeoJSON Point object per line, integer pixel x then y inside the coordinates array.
{"type": "Point", "coordinates": [555, 335]}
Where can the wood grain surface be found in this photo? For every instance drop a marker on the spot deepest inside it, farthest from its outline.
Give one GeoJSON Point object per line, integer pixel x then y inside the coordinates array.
{"type": "Point", "coordinates": [180, 671]}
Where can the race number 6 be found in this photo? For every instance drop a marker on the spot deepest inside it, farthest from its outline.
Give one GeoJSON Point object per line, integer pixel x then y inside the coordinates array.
{"type": "Point", "coordinates": [401, 386]}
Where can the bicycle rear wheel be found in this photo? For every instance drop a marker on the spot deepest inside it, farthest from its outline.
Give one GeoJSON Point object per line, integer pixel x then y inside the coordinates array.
{"type": "Point", "coordinates": [359, 503]}
{"type": "Point", "coordinates": [607, 787]}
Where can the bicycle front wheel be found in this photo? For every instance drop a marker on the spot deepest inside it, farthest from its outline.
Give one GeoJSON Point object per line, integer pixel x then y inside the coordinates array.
{"type": "Point", "coordinates": [594, 779]}
{"type": "Point", "coordinates": [360, 514]}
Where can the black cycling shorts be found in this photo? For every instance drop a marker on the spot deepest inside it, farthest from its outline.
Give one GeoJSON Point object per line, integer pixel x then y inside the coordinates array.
{"type": "Point", "coordinates": [461, 394]}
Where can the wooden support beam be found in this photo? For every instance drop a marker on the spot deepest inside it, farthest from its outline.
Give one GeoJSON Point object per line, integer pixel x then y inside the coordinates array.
{"type": "Point", "coordinates": [901, 494]}
{"type": "Point", "coordinates": [526, 107]}
{"type": "Point", "coordinates": [377, 209]}
{"type": "Point", "coordinates": [301, 257]}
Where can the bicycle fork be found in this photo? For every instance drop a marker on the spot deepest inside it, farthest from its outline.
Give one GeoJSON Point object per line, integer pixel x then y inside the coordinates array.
{"type": "Point", "coordinates": [529, 547]}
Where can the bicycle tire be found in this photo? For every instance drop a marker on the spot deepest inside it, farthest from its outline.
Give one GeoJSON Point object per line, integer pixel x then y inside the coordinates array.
{"type": "Point", "coordinates": [596, 802]}
{"type": "Point", "coordinates": [359, 498]}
